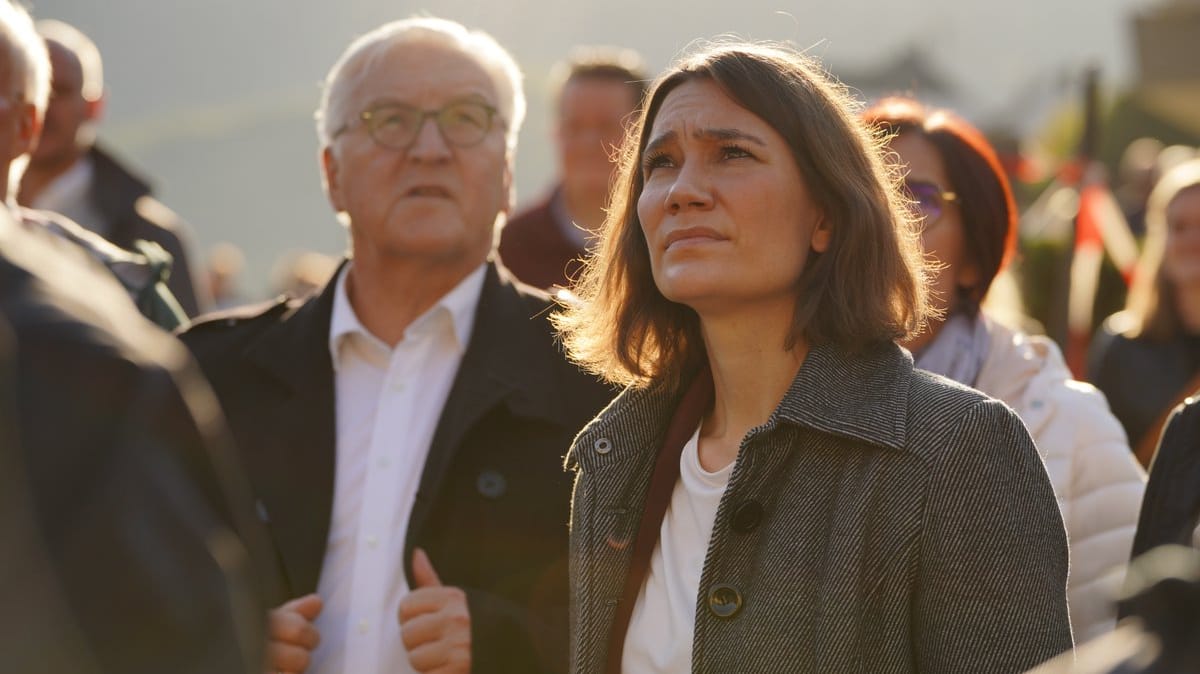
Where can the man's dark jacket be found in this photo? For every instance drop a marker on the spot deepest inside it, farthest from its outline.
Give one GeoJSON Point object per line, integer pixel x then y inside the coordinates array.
{"type": "Point", "coordinates": [131, 542]}
{"type": "Point", "coordinates": [125, 201]}
{"type": "Point", "coordinates": [492, 506]}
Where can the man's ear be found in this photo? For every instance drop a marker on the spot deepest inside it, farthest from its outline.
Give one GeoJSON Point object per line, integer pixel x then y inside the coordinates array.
{"type": "Point", "coordinates": [29, 128]}
{"type": "Point", "coordinates": [96, 108]}
{"type": "Point", "coordinates": [510, 189]}
{"type": "Point", "coordinates": [329, 174]}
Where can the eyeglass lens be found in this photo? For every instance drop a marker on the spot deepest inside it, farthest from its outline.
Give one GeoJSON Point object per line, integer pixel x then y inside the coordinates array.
{"type": "Point", "coordinates": [928, 198]}
{"type": "Point", "coordinates": [397, 125]}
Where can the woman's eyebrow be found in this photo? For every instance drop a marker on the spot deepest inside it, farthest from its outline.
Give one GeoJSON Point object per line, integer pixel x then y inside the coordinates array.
{"type": "Point", "coordinates": [727, 134]}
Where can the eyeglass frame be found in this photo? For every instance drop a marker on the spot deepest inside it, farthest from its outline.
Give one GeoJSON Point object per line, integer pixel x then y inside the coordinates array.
{"type": "Point", "coordinates": [364, 119]}
{"type": "Point", "coordinates": [944, 196]}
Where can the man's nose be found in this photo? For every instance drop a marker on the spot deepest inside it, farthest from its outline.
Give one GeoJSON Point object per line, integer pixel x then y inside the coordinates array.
{"type": "Point", "coordinates": [430, 144]}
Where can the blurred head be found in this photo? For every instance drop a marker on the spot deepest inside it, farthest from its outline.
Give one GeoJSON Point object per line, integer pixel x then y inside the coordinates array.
{"type": "Point", "coordinates": [418, 123]}
{"type": "Point", "coordinates": [959, 192]}
{"type": "Point", "coordinates": [688, 230]}
{"type": "Point", "coordinates": [597, 90]}
{"type": "Point", "coordinates": [76, 95]}
{"type": "Point", "coordinates": [1170, 258]}
{"type": "Point", "coordinates": [24, 88]}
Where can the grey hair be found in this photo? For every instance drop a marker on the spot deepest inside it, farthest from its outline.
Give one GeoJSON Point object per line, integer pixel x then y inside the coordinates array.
{"type": "Point", "coordinates": [29, 61]}
{"type": "Point", "coordinates": [359, 57]}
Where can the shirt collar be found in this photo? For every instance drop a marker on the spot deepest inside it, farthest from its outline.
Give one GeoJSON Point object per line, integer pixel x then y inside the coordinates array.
{"type": "Point", "coordinates": [458, 305]}
{"type": "Point", "coordinates": [68, 188]}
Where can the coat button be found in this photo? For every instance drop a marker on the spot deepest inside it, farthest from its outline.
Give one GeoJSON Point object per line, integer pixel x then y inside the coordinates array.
{"type": "Point", "coordinates": [602, 446]}
{"type": "Point", "coordinates": [724, 601]}
{"type": "Point", "coordinates": [747, 517]}
{"type": "Point", "coordinates": [491, 484]}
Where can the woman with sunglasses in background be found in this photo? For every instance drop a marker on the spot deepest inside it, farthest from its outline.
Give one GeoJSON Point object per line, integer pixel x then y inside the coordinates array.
{"type": "Point", "coordinates": [778, 489]}
{"type": "Point", "coordinates": [969, 220]}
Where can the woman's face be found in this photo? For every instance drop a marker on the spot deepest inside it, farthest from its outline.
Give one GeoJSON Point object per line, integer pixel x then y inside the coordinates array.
{"type": "Point", "coordinates": [726, 215]}
{"type": "Point", "coordinates": [1181, 260]}
{"type": "Point", "coordinates": [942, 236]}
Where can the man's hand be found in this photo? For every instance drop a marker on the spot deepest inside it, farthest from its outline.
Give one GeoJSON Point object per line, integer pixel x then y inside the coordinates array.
{"type": "Point", "coordinates": [435, 622]}
{"type": "Point", "coordinates": [292, 635]}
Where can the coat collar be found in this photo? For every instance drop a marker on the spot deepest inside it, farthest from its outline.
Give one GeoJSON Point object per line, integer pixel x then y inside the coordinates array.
{"type": "Point", "coordinates": [861, 395]}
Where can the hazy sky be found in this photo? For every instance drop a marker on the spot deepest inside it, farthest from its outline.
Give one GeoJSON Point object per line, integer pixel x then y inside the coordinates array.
{"type": "Point", "coordinates": [213, 98]}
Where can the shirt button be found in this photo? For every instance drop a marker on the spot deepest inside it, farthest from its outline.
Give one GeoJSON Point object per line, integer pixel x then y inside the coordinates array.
{"type": "Point", "coordinates": [724, 601]}
{"type": "Point", "coordinates": [602, 446]}
{"type": "Point", "coordinates": [372, 542]}
{"type": "Point", "coordinates": [384, 462]}
{"type": "Point", "coordinates": [397, 384]}
{"type": "Point", "coordinates": [747, 517]}
{"type": "Point", "coordinates": [364, 627]}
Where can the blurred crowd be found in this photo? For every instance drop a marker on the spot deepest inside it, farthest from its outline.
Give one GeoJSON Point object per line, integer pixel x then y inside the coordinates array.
{"type": "Point", "coordinates": [722, 398]}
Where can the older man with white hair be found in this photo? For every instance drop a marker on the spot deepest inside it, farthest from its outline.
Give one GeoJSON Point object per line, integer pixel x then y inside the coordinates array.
{"type": "Point", "coordinates": [403, 429]}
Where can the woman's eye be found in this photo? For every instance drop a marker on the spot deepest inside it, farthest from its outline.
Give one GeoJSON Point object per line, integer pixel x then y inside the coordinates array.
{"type": "Point", "coordinates": [656, 161]}
{"type": "Point", "coordinates": [734, 152]}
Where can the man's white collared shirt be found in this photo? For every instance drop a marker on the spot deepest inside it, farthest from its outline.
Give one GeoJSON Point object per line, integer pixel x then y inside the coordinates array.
{"type": "Point", "coordinates": [388, 405]}
{"type": "Point", "coordinates": [68, 195]}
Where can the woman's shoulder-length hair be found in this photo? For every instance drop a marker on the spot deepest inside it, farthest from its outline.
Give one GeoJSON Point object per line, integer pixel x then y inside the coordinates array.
{"type": "Point", "coordinates": [985, 199]}
{"type": "Point", "coordinates": [1151, 300]}
{"type": "Point", "coordinates": [625, 330]}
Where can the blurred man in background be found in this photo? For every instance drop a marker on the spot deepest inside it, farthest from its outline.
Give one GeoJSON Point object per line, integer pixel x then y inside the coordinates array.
{"type": "Point", "coordinates": [70, 174]}
{"type": "Point", "coordinates": [597, 90]}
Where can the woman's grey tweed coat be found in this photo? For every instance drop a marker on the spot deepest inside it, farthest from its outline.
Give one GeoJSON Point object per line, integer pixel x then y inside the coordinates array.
{"type": "Point", "coordinates": [907, 525]}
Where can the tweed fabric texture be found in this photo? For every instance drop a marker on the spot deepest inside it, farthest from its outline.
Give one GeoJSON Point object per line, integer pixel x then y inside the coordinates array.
{"type": "Point", "coordinates": [908, 526]}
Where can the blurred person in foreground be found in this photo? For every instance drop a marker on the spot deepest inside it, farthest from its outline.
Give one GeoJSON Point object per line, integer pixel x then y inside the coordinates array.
{"type": "Point", "coordinates": [404, 428]}
{"type": "Point", "coordinates": [130, 544]}
{"type": "Point", "coordinates": [596, 90]}
{"type": "Point", "coordinates": [1146, 358]}
{"type": "Point", "coordinates": [968, 225]}
{"type": "Point", "coordinates": [69, 173]}
{"type": "Point", "coordinates": [779, 488]}
{"type": "Point", "coordinates": [25, 81]}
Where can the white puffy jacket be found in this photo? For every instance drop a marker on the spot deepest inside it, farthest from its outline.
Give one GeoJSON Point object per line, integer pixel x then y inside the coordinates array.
{"type": "Point", "coordinates": [1096, 478]}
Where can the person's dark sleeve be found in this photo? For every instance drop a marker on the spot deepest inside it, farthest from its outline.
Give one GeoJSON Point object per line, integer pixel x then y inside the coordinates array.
{"type": "Point", "coordinates": [1171, 507]}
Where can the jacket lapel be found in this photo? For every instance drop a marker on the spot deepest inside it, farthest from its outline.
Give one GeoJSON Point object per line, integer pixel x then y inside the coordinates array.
{"type": "Point", "coordinates": [504, 364]}
{"type": "Point", "coordinates": [295, 463]}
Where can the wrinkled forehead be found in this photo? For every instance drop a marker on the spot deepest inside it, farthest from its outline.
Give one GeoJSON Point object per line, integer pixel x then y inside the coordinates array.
{"type": "Point", "coordinates": [420, 73]}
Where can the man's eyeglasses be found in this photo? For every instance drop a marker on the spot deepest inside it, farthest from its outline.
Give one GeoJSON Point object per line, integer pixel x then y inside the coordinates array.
{"type": "Point", "coordinates": [929, 200]}
{"type": "Point", "coordinates": [396, 126]}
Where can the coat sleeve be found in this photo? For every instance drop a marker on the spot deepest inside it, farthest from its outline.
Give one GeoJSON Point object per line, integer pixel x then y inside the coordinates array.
{"type": "Point", "coordinates": [1100, 500]}
{"type": "Point", "coordinates": [992, 573]}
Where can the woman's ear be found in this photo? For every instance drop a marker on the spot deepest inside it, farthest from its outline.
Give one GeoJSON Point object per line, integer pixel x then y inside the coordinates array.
{"type": "Point", "coordinates": [821, 235]}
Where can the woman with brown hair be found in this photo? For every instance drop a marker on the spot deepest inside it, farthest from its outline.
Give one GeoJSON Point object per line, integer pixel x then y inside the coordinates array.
{"type": "Point", "coordinates": [968, 225]}
{"type": "Point", "coordinates": [778, 489]}
{"type": "Point", "coordinates": [1146, 358]}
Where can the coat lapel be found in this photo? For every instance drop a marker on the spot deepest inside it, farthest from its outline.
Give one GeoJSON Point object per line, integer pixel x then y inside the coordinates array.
{"type": "Point", "coordinates": [295, 463]}
{"type": "Point", "coordinates": [503, 364]}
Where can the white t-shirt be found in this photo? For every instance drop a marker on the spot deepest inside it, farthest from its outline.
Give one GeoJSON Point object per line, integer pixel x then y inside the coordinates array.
{"type": "Point", "coordinates": [659, 638]}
